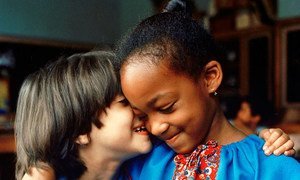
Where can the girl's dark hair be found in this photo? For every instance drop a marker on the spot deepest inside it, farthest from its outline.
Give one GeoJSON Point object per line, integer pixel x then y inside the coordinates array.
{"type": "Point", "coordinates": [170, 34]}
{"type": "Point", "coordinates": [57, 104]}
{"type": "Point", "coordinates": [179, 6]}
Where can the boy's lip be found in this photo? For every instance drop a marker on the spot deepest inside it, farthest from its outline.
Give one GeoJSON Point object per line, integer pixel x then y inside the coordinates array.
{"type": "Point", "coordinates": [138, 126]}
{"type": "Point", "coordinates": [140, 129]}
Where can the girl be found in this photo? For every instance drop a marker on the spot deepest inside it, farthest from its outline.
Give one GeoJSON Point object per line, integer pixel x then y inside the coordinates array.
{"type": "Point", "coordinates": [72, 116]}
{"type": "Point", "coordinates": [170, 75]}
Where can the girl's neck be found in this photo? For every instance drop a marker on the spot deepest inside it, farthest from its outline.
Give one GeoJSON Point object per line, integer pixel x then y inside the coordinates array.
{"type": "Point", "coordinates": [222, 131]}
{"type": "Point", "coordinates": [247, 129]}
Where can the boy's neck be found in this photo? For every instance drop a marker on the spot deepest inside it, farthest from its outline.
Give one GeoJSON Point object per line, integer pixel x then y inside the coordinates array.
{"type": "Point", "coordinates": [99, 165]}
{"type": "Point", "coordinates": [104, 173]}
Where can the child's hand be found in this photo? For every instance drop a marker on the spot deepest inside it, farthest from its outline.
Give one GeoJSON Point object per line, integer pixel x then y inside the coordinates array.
{"type": "Point", "coordinates": [277, 142]}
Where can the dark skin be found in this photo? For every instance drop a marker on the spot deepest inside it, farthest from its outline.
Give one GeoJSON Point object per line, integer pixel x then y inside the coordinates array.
{"type": "Point", "coordinates": [177, 109]}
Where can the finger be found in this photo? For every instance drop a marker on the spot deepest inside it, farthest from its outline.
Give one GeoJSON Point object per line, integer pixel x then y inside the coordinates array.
{"type": "Point", "coordinates": [277, 144]}
{"type": "Point", "coordinates": [272, 137]}
{"type": "Point", "coordinates": [265, 133]}
{"type": "Point", "coordinates": [275, 134]}
{"type": "Point", "coordinates": [290, 152]}
{"type": "Point", "coordinates": [285, 147]}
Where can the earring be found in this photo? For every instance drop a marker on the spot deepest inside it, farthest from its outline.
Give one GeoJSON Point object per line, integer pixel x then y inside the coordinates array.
{"type": "Point", "coordinates": [215, 93]}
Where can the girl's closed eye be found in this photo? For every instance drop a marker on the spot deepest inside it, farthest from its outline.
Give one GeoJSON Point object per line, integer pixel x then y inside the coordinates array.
{"type": "Point", "coordinates": [167, 109]}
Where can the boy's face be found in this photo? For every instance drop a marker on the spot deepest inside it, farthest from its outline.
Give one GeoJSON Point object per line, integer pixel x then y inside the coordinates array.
{"type": "Point", "coordinates": [122, 133]}
{"type": "Point", "coordinates": [174, 107]}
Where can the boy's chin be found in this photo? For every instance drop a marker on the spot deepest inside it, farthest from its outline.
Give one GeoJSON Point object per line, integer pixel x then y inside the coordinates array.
{"type": "Point", "coordinates": [145, 147]}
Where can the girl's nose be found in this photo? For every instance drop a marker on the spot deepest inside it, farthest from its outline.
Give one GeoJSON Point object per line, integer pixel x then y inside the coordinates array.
{"type": "Point", "coordinates": [156, 126]}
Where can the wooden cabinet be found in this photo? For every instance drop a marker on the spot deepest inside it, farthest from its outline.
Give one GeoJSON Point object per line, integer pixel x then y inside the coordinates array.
{"type": "Point", "coordinates": [7, 143]}
{"type": "Point", "coordinates": [287, 63]}
{"type": "Point", "coordinates": [29, 55]}
{"type": "Point", "coordinates": [263, 61]}
{"type": "Point", "coordinates": [247, 61]}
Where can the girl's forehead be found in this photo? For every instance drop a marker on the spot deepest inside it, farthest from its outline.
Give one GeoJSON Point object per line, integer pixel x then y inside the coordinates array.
{"type": "Point", "coordinates": [141, 70]}
{"type": "Point", "coordinates": [147, 60]}
{"type": "Point", "coordinates": [151, 53]}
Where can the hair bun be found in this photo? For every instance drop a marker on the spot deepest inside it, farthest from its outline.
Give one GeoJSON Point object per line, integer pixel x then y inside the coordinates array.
{"type": "Point", "coordinates": [178, 6]}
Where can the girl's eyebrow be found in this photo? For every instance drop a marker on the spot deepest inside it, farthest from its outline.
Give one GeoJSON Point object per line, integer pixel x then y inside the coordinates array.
{"type": "Point", "coordinates": [152, 102]}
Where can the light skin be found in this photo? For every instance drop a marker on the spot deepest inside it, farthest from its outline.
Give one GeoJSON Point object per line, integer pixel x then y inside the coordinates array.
{"type": "Point", "coordinates": [177, 109]}
{"type": "Point", "coordinates": [40, 174]}
{"type": "Point", "coordinates": [121, 137]}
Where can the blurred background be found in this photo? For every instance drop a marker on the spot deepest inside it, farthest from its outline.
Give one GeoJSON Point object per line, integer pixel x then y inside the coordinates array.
{"type": "Point", "coordinates": [259, 39]}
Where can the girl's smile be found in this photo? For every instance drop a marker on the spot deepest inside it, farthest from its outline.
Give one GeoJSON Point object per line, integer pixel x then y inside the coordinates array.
{"type": "Point", "coordinates": [171, 104]}
{"type": "Point", "coordinates": [172, 140]}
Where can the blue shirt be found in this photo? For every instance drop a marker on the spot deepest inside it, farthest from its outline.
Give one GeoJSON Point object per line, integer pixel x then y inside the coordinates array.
{"type": "Point", "coordinates": [241, 160]}
{"type": "Point", "coordinates": [157, 164]}
{"type": "Point", "coordinates": [246, 160]}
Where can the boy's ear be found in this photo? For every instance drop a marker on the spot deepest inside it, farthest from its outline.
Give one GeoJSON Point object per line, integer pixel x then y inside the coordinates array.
{"type": "Point", "coordinates": [83, 139]}
{"type": "Point", "coordinates": [213, 76]}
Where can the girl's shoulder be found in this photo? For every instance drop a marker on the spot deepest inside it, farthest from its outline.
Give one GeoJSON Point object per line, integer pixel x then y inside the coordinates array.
{"type": "Point", "coordinates": [246, 159]}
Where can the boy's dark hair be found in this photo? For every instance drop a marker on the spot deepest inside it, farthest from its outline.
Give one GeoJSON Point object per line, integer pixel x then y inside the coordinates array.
{"type": "Point", "coordinates": [57, 104]}
{"type": "Point", "coordinates": [174, 36]}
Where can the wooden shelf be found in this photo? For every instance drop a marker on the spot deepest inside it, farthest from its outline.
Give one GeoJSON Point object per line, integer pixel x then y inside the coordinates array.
{"type": "Point", "coordinates": [242, 33]}
{"type": "Point", "coordinates": [46, 42]}
{"type": "Point", "coordinates": [7, 143]}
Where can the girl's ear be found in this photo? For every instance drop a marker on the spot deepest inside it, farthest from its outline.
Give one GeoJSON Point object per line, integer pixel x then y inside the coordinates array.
{"type": "Point", "coordinates": [83, 139]}
{"type": "Point", "coordinates": [213, 76]}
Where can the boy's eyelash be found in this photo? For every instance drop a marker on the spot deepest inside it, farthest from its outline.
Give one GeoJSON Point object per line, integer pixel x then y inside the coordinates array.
{"type": "Point", "coordinates": [124, 101]}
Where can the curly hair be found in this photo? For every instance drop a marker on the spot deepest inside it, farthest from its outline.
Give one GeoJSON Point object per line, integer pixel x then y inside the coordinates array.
{"type": "Point", "coordinates": [170, 34]}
